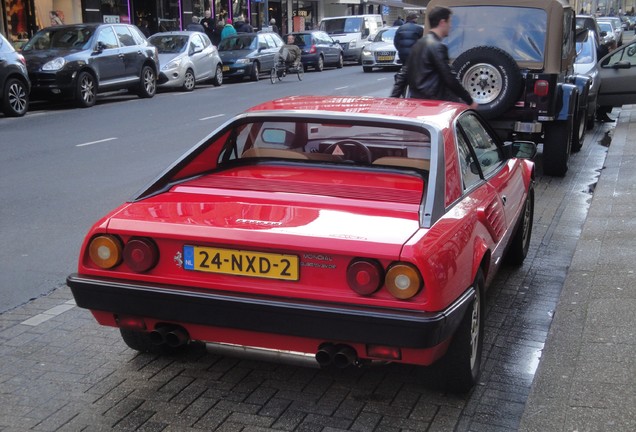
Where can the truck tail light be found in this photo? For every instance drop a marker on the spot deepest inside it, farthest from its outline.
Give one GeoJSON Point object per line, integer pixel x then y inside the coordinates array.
{"type": "Point", "coordinates": [541, 88]}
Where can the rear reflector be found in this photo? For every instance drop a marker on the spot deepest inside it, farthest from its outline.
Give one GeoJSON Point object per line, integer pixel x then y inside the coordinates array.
{"type": "Point", "coordinates": [130, 322]}
{"type": "Point", "coordinates": [384, 352]}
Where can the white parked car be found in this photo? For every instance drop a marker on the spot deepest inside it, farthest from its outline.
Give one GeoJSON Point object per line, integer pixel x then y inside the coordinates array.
{"type": "Point", "coordinates": [187, 58]}
{"type": "Point", "coordinates": [380, 52]}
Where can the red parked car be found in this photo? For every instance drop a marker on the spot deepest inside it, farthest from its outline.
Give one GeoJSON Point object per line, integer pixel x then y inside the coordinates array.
{"type": "Point", "coordinates": [347, 229]}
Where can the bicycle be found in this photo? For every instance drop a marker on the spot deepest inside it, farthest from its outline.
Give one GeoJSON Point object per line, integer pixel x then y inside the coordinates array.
{"type": "Point", "coordinates": [281, 69]}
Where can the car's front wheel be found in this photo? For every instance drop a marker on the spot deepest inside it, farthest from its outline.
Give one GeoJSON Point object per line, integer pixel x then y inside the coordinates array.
{"type": "Point", "coordinates": [86, 90]}
{"type": "Point", "coordinates": [189, 81]}
{"type": "Point", "coordinates": [521, 241]}
{"type": "Point", "coordinates": [462, 361]}
{"type": "Point", "coordinates": [340, 63]}
{"type": "Point", "coordinates": [255, 72]}
{"type": "Point", "coordinates": [16, 98]}
{"type": "Point", "coordinates": [147, 83]}
{"type": "Point", "coordinates": [217, 80]}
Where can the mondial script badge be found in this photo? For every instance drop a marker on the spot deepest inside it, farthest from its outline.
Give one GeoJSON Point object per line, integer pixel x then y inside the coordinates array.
{"type": "Point", "coordinates": [256, 222]}
{"type": "Point", "coordinates": [178, 259]}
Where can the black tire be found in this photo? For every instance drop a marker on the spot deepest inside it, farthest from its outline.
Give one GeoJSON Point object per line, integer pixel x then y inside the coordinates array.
{"type": "Point", "coordinates": [492, 77]}
{"type": "Point", "coordinates": [85, 90]}
{"type": "Point", "coordinates": [254, 76]}
{"type": "Point", "coordinates": [589, 123]}
{"type": "Point", "coordinates": [557, 143]}
{"type": "Point", "coordinates": [147, 83]}
{"type": "Point", "coordinates": [140, 341]}
{"type": "Point", "coordinates": [521, 240]}
{"type": "Point", "coordinates": [320, 65]}
{"type": "Point", "coordinates": [340, 63]}
{"type": "Point", "coordinates": [462, 361]}
{"type": "Point", "coordinates": [189, 81]}
{"type": "Point", "coordinates": [217, 80]}
{"type": "Point", "coordinates": [16, 98]}
{"type": "Point", "coordinates": [300, 71]}
{"type": "Point", "coordinates": [367, 68]}
{"type": "Point", "coordinates": [578, 131]}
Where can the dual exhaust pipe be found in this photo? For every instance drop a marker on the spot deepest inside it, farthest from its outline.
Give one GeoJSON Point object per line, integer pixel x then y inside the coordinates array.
{"type": "Point", "coordinates": [173, 336]}
{"type": "Point", "coordinates": [340, 356]}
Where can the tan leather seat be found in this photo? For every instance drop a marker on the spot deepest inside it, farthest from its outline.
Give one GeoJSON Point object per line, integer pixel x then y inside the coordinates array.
{"type": "Point", "coordinates": [272, 152]}
{"type": "Point", "coordinates": [424, 164]}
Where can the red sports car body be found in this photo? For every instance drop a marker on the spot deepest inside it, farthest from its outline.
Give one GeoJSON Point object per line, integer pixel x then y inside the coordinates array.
{"type": "Point", "coordinates": [348, 229]}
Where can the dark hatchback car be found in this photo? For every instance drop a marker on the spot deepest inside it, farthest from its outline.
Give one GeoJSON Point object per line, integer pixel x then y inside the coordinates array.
{"type": "Point", "coordinates": [318, 49]}
{"type": "Point", "coordinates": [14, 81]}
{"type": "Point", "coordinates": [249, 54]}
{"type": "Point", "coordinates": [81, 60]}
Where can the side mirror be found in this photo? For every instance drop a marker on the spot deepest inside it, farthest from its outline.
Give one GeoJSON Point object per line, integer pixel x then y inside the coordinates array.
{"type": "Point", "coordinates": [100, 47]}
{"type": "Point", "coordinates": [603, 33]}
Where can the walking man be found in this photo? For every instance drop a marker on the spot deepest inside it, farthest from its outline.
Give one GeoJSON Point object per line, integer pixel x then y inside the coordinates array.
{"type": "Point", "coordinates": [405, 37]}
{"type": "Point", "coordinates": [429, 73]}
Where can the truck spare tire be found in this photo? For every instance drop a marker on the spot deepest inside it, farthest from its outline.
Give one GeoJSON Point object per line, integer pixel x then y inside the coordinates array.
{"type": "Point", "coordinates": [492, 78]}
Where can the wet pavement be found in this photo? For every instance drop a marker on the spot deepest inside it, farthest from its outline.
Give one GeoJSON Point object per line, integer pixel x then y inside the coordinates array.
{"type": "Point", "coordinates": [59, 370]}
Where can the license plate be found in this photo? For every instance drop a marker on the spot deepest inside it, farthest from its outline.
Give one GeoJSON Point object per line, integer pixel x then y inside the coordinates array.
{"type": "Point", "coordinates": [226, 68]}
{"type": "Point", "coordinates": [385, 58]}
{"type": "Point", "coordinates": [239, 262]}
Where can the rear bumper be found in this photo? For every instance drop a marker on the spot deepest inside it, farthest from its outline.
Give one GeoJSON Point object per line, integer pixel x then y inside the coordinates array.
{"type": "Point", "coordinates": [293, 317]}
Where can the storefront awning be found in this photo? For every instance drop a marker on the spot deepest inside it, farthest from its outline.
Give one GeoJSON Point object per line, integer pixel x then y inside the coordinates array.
{"type": "Point", "coordinates": [397, 4]}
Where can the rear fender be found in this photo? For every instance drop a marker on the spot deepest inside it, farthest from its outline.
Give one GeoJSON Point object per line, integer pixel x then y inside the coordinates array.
{"type": "Point", "coordinates": [566, 107]}
{"type": "Point", "coordinates": [481, 258]}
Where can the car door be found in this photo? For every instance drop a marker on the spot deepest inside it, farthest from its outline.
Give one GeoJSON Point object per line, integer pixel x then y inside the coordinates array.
{"type": "Point", "coordinates": [106, 59]}
{"type": "Point", "coordinates": [130, 53]}
{"type": "Point", "coordinates": [268, 48]}
{"type": "Point", "coordinates": [500, 174]}
{"type": "Point", "coordinates": [324, 43]}
{"type": "Point", "coordinates": [200, 57]}
{"type": "Point", "coordinates": [618, 77]}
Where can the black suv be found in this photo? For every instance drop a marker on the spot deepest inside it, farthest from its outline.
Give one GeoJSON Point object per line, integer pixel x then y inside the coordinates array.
{"type": "Point", "coordinates": [516, 58]}
{"type": "Point", "coordinates": [14, 81]}
{"type": "Point", "coordinates": [80, 60]}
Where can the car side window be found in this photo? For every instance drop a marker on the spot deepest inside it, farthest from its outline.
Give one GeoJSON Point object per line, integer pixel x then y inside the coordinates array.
{"type": "Point", "coordinates": [270, 41]}
{"type": "Point", "coordinates": [197, 43]}
{"type": "Point", "coordinates": [107, 38]}
{"type": "Point", "coordinates": [124, 36]}
{"type": "Point", "coordinates": [485, 146]}
{"type": "Point", "coordinates": [468, 166]}
{"type": "Point", "coordinates": [624, 54]}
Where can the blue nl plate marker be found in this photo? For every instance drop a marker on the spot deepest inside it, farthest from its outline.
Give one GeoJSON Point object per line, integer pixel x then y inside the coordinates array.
{"type": "Point", "coordinates": [188, 257]}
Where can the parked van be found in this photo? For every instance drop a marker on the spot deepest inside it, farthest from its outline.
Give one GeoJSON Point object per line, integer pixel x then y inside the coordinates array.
{"type": "Point", "coordinates": [351, 32]}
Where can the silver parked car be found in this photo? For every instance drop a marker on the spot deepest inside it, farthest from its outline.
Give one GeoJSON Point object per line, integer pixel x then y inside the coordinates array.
{"type": "Point", "coordinates": [617, 27]}
{"type": "Point", "coordinates": [586, 63]}
{"type": "Point", "coordinates": [187, 58]}
{"type": "Point", "coordinates": [381, 53]}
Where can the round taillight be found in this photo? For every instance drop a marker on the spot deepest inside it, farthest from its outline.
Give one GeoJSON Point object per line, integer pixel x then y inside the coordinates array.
{"type": "Point", "coordinates": [403, 281]}
{"type": "Point", "coordinates": [105, 251]}
{"type": "Point", "coordinates": [141, 254]}
{"type": "Point", "coordinates": [364, 276]}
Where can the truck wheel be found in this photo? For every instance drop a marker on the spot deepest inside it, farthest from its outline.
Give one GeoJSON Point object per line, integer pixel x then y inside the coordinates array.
{"type": "Point", "coordinates": [557, 143]}
{"type": "Point", "coordinates": [492, 77]}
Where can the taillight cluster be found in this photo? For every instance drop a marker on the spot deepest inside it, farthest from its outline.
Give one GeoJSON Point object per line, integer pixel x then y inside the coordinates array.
{"type": "Point", "coordinates": [402, 280]}
{"type": "Point", "coordinates": [313, 49]}
{"type": "Point", "coordinates": [108, 251]}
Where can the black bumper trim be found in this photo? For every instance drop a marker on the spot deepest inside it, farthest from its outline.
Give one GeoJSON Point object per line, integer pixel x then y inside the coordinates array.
{"type": "Point", "coordinates": [403, 328]}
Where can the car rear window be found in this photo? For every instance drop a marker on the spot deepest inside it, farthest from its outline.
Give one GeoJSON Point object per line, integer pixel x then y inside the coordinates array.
{"type": "Point", "coordinates": [341, 25]}
{"type": "Point", "coordinates": [521, 32]}
{"type": "Point", "coordinates": [334, 143]}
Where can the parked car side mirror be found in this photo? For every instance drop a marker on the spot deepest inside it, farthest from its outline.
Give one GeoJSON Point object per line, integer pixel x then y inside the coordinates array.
{"type": "Point", "coordinates": [523, 149]}
{"type": "Point", "coordinates": [100, 47]}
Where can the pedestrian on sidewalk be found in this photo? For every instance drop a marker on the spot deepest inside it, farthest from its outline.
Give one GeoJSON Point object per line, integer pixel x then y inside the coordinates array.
{"type": "Point", "coordinates": [429, 73]}
{"type": "Point", "coordinates": [405, 37]}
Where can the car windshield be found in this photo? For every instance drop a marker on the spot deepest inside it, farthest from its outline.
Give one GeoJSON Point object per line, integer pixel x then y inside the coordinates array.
{"type": "Point", "coordinates": [241, 42]}
{"type": "Point", "coordinates": [605, 26]}
{"type": "Point", "coordinates": [170, 44]}
{"type": "Point", "coordinates": [519, 31]}
{"type": "Point", "coordinates": [341, 25]}
{"type": "Point", "coordinates": [62, 38]}
{"type": "Point", "coordinates": [386, 35]}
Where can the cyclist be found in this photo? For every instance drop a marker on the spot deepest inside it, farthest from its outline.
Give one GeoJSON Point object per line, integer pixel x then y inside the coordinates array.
{"type": "Point", "coordinates": [290, 53]}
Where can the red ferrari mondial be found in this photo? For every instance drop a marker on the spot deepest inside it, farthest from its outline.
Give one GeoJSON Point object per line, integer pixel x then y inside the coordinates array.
{"type": "Point", "coordinates": [340, 229]}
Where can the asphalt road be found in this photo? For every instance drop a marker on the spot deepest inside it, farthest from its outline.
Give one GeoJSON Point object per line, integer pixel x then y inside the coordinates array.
{"type": "Point", "coordinates": [61, 168]}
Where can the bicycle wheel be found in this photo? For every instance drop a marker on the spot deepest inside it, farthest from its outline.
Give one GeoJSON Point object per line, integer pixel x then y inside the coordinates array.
{"type": "Point", "coordinates": [273, 75]}
{"type": "Point", "coordinates": [300, 70]}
